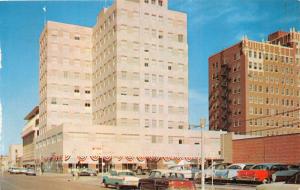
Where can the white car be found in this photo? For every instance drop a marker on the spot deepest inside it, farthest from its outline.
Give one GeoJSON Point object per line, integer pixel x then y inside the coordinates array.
{"type": "Point", "coordinates": [120, 178]}
{"type": "Point", "coordinates": [187, 172]}
{"type": "Point", "coordinates": [292, 183]}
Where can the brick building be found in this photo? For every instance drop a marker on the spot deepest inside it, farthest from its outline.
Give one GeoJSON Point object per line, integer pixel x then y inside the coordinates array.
{"type": "Point", "coordinates": [253, 86]}
{"type": "Point", "coordinates": [280, 148]}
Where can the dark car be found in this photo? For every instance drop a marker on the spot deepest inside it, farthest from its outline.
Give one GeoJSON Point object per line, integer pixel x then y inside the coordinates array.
{"type": "Point", "coordinates": [87, 172]}
{"type": "Point", "coordinates": [283, 175]}
{"type": "Point", "coordinates": [166, 179]}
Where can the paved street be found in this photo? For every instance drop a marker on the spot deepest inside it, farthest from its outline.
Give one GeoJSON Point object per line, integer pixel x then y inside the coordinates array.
{"type": "Point", "coordinates": [47, 182]}
{"type": "Point", "coordinates": [66, 182]}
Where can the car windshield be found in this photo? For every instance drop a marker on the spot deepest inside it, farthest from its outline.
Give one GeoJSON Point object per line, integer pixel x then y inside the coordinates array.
{"type": "Point", "coordinates": [155, 174]}
{"type": "Point", "coordinates": [247, 167]}
{"type": "Point", "coordinates": [175, 176]}
{"type": "Point", "coordinates": [126, 174]}
{"type": "Point", "coordinates": [218, 167]}
{"type": "Point", "coordinates": [234, 167]}
{"type": "Point", "coordinates": [260, 167]}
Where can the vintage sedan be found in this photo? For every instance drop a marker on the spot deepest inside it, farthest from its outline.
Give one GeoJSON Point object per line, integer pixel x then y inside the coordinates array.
{"type": "Point", "coordinates": [230, 173]}
{"type": "Point", "coordinates": [87, 172]}
{"type": "Point", "coordinates": [15, 170]}
{"type": "Point", "coordinates": [260, 173]}
{"type": "Point", "coordinates": [283, 175]}
{"type": "Point", "coordinates": [120, 179]}
{"type": "Point", "coordinates": [293, 183]}
{"type": "Point", "coordinates": [166, 179]}
{"type": "Point", "coordinates": [188, 172]}
{"type": "Point", "coordinates": [211, 171]}
{"type": "Point", "coordinates": [30, 171]}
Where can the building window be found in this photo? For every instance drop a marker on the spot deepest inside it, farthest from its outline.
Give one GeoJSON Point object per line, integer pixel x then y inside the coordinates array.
{"type": "Point", "coordinates": [147, 123]}
{"type": "Point", "coordinates": [180, 141]}
{"type": "Point", "coordinates": [53, 101]}
{"type": "Point", "coordinates": [77, 38]}
{"type": "Point", "coordinates": [76, 90]}
{"type": "Point", "coordinates": [123, 91]}
{"type": "Point", "coordinates": [180, 37]}
{"type": "Point", "coordinates": [146, 77]}
{"type": "Point", "coordinates": [87, 91]}
{"type": "Point", "coordinates": [147, 108]}
{"type": "Point", "coordinates": [146, 1]}
{"type": "Point", "coordinates": [153, 2]}
{"type": "Point", "coordinates": [146, 64]}
{"type": "Point", "coordinates": [87, 105]}
{"type": "Point", "coordinates": [160, 3]}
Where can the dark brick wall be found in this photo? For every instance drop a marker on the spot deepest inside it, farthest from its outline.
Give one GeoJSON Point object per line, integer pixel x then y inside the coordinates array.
{"type": "Point", "coordinates": [283, 148]}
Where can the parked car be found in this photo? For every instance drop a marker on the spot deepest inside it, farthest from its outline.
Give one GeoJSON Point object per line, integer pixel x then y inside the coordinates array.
{"type": "Point", "coordinates": [120, 178]}
{"type": "Point", "coordinates": [293, 183]}
{"type": "Point", "coordinates": [30, 171]}
{"type": "Point", "coordinates": [260, 173]}
{"type": "Point", "coordinates": [188, 172]}
{"type": "Point", "coordinates": [15, 170]}
{"type": "Point", "coordinates": [87, 172]}
{"type": "Point", "coordinates": [283, 175]}
{"type": "Point", "coordinates": [166, 179]}
{"type": "Point", "coordinates": [230, 173]}
{"type": "Point", "coordinates": [210, 170]}
{"type": "Point", "coordinates": [23, 170]}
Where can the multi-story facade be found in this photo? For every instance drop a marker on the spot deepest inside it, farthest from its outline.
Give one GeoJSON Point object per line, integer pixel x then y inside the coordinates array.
{"type": "Point", "coordinates": [65, 76]}
{"type": "Point", "coordinates": [140, 66]}
{"type": "Point", "coordinates": [15, 154]}
{"type": "Point", "coordinates": [254, 86]}
{"type": "Point", "coordinates": [121, 82]}
{"type": "Point", "coordinates": [29, 135]}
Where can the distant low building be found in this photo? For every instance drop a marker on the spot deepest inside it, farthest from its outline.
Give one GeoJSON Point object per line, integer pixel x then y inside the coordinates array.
{"type": "Point", "coordinates": [246, 149]}
{"type": "Point", "coordinates": [3, 163]}
{"type": "Point", "coordinates": [123, 148]}
{"type": "Point", "coordinates": [15, 155]}
{"type": "Point", "coordinates": [29, 134]}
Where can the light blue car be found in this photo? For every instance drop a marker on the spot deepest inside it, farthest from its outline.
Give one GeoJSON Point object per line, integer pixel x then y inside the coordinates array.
{"type": "Point", "coordinates": [230, 173]}
{"type": "Point", "coordinates": [120, 178]}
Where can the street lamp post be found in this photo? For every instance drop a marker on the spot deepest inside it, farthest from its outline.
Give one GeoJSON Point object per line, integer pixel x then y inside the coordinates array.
{"type": "Point", "coordinates": [102, 161]}
{"type": "Point", "coordinates": [202, 125]}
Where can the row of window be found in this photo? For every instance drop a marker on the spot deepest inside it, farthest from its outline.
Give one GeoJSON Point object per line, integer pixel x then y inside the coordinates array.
{"type": "Point", "coordinates": [154, 2]}
{"type": "Point", "coordinates": [271, 79]}
{"type": "Point", "coordinates": [272, 122]}
{"type": "Point", "coordinates": [66, 103]}
{"type": "Point", "coordinates": [50, 140]}
{"type": "Point", "coordinates": [273, 90]}
{"type": "Point", "coordinates": [271, 57]}
{"type": "Point", "coordinates": [272, 112]}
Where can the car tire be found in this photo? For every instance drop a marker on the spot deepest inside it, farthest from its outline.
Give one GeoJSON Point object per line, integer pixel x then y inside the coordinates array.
{"type": "Point", "coordinates": [266, 181]}
{"type": "Point", "coordinates": [105, 184]}
{"type": "Point", "coordinates": [118, 186]}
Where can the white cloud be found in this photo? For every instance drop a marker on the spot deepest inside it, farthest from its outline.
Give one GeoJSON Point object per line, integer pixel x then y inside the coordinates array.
{"type": "Point", "coordinates": [230, 11]}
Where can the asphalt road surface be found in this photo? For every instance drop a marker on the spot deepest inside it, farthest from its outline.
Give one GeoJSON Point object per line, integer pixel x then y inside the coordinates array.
{"type": "Point", "coordinates": [66, 182]}
{"type": "Point", "coordinates": [46, 182]}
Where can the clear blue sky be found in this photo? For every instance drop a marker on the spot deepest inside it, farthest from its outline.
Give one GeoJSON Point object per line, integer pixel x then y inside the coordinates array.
{"type": "Point", "coordinates": [212, 26]}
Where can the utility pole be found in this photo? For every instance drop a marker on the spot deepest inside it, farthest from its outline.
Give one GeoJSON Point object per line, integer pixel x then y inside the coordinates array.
{"type": "Point", "coordinates": [202, 125]}
{"type": "Point", "coordinates": [102, 160]}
